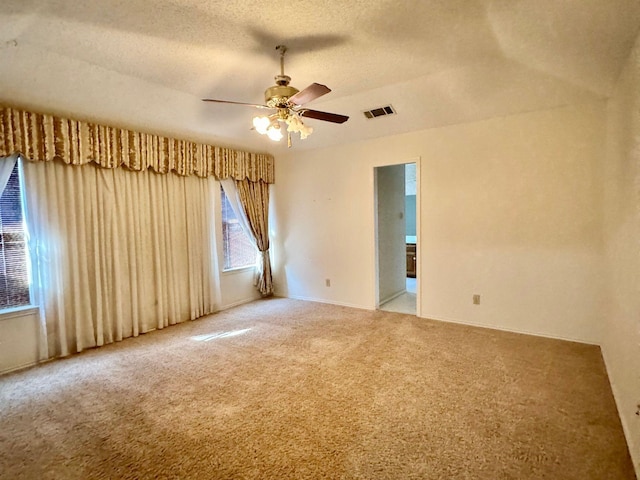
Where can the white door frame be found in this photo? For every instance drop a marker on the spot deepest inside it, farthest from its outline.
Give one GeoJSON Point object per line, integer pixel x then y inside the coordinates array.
{"type": "Point", "coordinates": [376, 293]}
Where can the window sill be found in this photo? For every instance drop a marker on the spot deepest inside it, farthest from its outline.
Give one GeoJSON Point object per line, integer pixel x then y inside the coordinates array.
{"type": "Point", "coordinates": [16, 312]}
{"type": "Point", "coordinates": [235, 271]}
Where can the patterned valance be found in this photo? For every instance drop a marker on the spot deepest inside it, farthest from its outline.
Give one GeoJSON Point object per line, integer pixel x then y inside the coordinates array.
{"type": "Point", "coordinates": [41, 137]}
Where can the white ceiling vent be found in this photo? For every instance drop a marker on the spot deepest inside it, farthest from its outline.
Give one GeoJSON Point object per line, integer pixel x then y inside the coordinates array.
{"type": "Point", "coordinates": [379, 112]}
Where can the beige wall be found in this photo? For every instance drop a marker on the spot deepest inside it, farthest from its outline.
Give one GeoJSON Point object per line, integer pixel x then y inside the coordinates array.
{"type": "Point", "coordinates": [621, 339]}
{"type": "Point", "coordinates": [391, 232]}
{"type": "Point", "coordinates": [236, 288]}
{"type": "Point", "coordinates": [510, 209]}
{"type": "Point", "coordinates": [18, 340]}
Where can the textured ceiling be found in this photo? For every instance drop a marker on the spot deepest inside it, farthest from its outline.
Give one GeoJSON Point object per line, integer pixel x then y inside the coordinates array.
{"type": "Point", "coordinates": [145, 64]}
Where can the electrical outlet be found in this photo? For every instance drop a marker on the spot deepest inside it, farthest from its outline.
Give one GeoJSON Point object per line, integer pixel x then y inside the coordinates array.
{"type": "Point", "coordinates": [327, 282]}
{"type": "Point", "coordinates": [476, 299]}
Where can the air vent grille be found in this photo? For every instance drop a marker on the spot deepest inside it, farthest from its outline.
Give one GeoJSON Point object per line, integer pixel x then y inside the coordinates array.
{"type": "Point", "coordinates": [379, 112]}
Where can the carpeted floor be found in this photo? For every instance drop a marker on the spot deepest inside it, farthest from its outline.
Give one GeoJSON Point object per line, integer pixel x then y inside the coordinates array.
{"type": "Point", "coordinates": [290, 389]}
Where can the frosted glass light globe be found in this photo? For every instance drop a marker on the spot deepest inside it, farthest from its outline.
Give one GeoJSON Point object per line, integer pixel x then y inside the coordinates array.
{"type": "Point", "coordinates": [261, 124]}
{"type": "Point", "coordinates": [274, 133]}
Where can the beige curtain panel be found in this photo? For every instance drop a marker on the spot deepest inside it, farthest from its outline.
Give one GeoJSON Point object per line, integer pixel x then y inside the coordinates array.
{"type": "Point", "coordinates": [254, 197]}
{"type": "Point", "coordinates": [118, 253]}
{"type": "Point", "coordinates": [41, 137]}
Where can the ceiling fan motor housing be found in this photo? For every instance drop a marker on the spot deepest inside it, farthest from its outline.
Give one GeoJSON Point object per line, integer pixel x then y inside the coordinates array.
{"type": "Point", "coordinates": [278, 95]}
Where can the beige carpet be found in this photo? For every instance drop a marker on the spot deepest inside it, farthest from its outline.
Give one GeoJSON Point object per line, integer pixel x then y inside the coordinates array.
{"type": "Point", "coordinates": [290, 389]}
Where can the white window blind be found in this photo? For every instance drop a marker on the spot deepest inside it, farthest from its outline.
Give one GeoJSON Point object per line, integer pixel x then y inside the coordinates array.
{"type": "Point", "coordinates": [238, 250]}
{"type": "Point", "coordinates": [14, 271]}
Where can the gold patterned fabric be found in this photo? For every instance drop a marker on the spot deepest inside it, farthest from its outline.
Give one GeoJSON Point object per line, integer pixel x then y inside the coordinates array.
{"type": "Point", "coordinates": [254, 197]}
{"type": "Point", "coordinates": [41, 137]}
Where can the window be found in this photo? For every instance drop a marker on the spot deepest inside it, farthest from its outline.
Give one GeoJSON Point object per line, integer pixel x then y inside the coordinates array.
{"type": "Point", "coordinates": [14, 271]}
{"type": "Point", "coordinates": [238, 250]}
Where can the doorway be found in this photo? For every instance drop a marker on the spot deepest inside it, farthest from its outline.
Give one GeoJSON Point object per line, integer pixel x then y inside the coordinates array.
{"type": "Point", "coordinates": [397, 219]}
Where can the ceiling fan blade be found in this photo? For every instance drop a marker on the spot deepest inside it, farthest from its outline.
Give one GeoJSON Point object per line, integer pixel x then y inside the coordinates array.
{"type": "Point", "coordinates": [312, 92]}
{"type": "Point", "coordinates": [236, 103]}
{"type": "Point", "coordinates": [327, 117]}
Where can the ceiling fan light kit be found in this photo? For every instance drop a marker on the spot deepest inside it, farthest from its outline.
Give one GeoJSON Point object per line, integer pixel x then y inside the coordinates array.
{"type": "Point", "coordinates": [288, 102]}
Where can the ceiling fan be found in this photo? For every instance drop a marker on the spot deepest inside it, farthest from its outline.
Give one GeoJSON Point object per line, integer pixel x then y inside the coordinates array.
{"type": "Point", "coordinates": [288, 105]}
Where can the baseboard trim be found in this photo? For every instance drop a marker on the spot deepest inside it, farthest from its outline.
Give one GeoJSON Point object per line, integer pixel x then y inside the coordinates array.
{"type": "Point", "coordinates": [391, 297]}
{"type": "Point", "coordinates": [23, 366]}
{"type": "Point", "coordinates": [237, 303]}
{"type": "Point", "coordinates": [321, 300]}
{"type": "Point", "coordinates": [450, 320]}
{"type": "Point", "coordinates": [626, 428]}
{"type": "Point", "coordinates": [511, 330]}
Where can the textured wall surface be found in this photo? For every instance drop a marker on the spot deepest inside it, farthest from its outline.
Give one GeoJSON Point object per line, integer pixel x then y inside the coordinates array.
{"type": "Point", "coordinates": [621, 342]}
{"type": "Point", "coordinates": [392, 271]}
{"type": "Point", "coordinates": [510, 209]}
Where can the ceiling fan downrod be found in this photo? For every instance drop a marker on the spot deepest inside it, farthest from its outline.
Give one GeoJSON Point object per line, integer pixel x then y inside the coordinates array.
{"type": "Point", "coordinates": [278, 95]}
{"type": "Point", "coordinates": [282, 79]}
